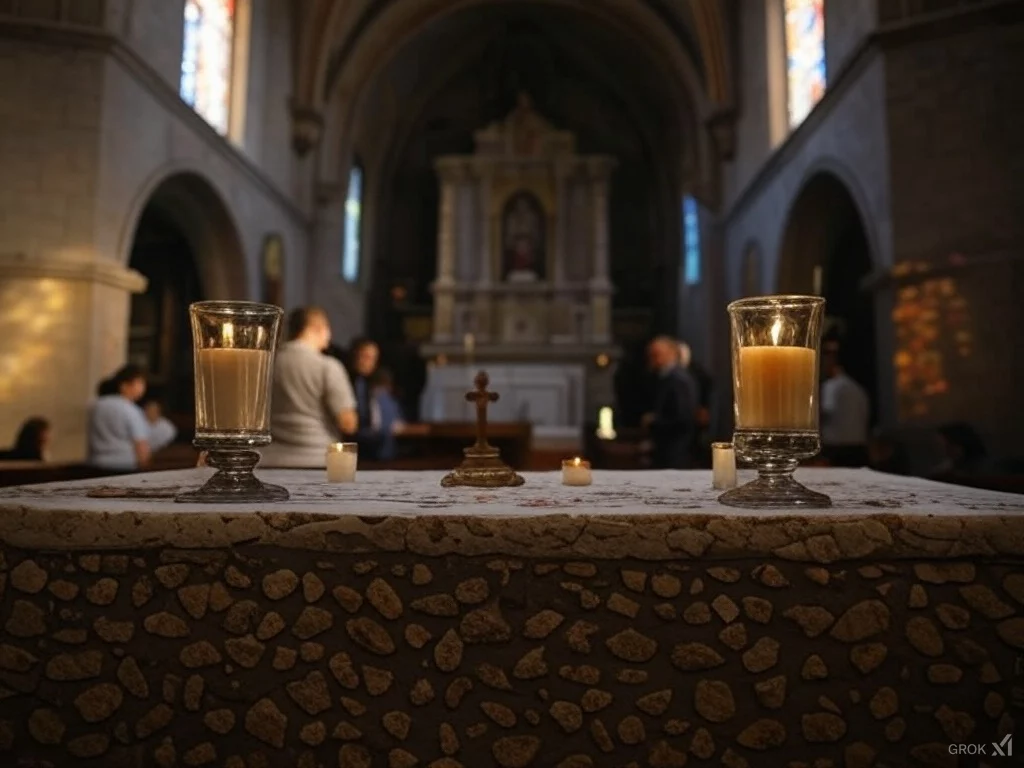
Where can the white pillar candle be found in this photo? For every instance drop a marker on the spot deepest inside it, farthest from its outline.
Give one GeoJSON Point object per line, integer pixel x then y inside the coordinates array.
{"type": "Point", "coordinates": [723, 458]}
{"type": "Point", "coordinates": [576, 472]}
{"type": "Point", "coordinates": [606, 424]}
{"type": "Point", "coordinates": [233, 388]}
{"type": "Point", "coordinates": [342, 459]}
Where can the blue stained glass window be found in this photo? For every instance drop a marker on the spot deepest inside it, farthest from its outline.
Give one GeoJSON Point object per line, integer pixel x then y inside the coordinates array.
{"type": "Point", "coordinates": [691, 241]}
{"type": "Point", "coordinates": [353, 224]}
{"type": "Point", "coordinates": [805, 56]}
{"type": "Point", "coordinates": [206, 59]}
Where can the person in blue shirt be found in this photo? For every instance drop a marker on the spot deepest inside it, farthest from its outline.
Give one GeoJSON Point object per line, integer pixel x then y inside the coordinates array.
{"type": "Point", "coordinates": [119, 434]}
{"type": "Point", "coordinates": [386, 418]}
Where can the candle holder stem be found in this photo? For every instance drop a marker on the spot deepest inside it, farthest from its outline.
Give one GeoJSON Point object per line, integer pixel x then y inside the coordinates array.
{"type": "Point", "coordinates": [234, 481]}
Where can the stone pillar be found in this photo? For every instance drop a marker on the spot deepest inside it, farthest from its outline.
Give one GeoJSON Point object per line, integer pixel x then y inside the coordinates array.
{"type": "Point", "coordinates": [63, 328]}
{"type": "Point", "coordinates": [482, 306]}
{"type": "Point", "coordinates": [561, 227]}
{"type": "Point", "coordinates": [444, 285]}
{"type": "Point", "coordinates": [600, 285]}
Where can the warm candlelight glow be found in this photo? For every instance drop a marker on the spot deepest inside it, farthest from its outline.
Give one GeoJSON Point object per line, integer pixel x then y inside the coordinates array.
{"type": "Point", "coordinates": [776, 387]}
{"type": "Point", "coordinates": [228, 335]}
{"type": "Point", "coordinates": [342, 460]}
{"type": "Point", "coordinates": [576, 471]}
{"type": "Point", "coordinates": [606, 424]}
{"type": "Point", "coordinates": [776, 331]}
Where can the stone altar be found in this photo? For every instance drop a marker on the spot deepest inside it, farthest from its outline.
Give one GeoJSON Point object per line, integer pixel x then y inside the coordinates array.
{"type": "Point", "coordinates": [632, 622]}
{"type": "Point", "coordinates": [522, 277]}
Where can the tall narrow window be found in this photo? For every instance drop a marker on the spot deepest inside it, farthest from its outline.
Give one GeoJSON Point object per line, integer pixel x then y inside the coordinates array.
{"type": "Point", "coordinates": [805, 56]}
{"type": "Point", "coordinates": [353, 224]}
{"type": "Point", "coordinates": [206, 60]}
{"type": "Point", "coordinates": [691, 241]}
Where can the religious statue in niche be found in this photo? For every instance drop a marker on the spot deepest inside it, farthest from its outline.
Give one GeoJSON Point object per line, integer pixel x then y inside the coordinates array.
{"type": "Point", "coordinates": [523, 256]}
{"type": "Point", "coordinates": [273, 269]}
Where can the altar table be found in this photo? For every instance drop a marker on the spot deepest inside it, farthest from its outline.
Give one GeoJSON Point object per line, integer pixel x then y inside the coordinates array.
{"type": "Point", "coordinates": [390, 622]}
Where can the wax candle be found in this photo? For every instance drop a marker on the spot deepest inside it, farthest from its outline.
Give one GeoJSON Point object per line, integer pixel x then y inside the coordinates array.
{"type": "Point", "coordinates": [342, 459]}
{"type": "Point", "coordinates": [723, 462]}
{"type": "Point", "coordinates": [576, 472]}
{"type": "Point", "coordinates": [605, 424]}
{"type": "Point", "coordinates": [233, 389]}
{"type": "Point", "coordinates": [776, 388]}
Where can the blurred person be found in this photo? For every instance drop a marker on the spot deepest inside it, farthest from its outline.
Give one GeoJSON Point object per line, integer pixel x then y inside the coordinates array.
{"type": "Point", "coordinates": [845, 413]}
{"type": "Point", "coordinates": [312, 403]}
{"type": "Point", "coordinates": [386, 418]}
{"type": "Point", "coordinates": [963, 449]}
{"type": "Point", "coordinates": [32, 442]}
{"type": "Point", "coordinates": [119, 435]}
{"type": "Point", "coordinates": [672, 421]}
{"type": "Point", "coordinates": [364, 355]}
{"type": "Point", "coordinates": [705, 387]}
{"type": "Point", "coordinates": [162, 431]}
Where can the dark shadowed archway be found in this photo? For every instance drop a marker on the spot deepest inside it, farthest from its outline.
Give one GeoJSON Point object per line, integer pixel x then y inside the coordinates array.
{"type": "Point", "coordinates": [188, 249]}
{"type": "Point", "coordinates": [825, 249]}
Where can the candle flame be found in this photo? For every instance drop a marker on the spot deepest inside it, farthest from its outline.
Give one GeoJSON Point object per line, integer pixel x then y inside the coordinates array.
{"type": "Point", "coordinates": [576, 461]}
{"type": "Point", "coordinates": [228, 334]}
{"type": "Point", "coordinates": [776, 331]}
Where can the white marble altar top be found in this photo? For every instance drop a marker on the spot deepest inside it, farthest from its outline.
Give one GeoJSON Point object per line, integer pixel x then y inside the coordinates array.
{"type": "Point", "coordinates": [651, 515]}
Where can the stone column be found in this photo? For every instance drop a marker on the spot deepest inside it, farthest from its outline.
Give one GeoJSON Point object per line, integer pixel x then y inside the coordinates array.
{"type": "Point", "coordinates": [482, 305]}
{"type": "Point", "coordinates": [600, 285]}
{"type": "Point", "coordinates": [561, 228]}
{"type": "Point", "coordinates": [444, 285]}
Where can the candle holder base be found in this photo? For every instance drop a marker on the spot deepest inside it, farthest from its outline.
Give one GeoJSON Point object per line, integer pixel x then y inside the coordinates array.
{"type": "Point", "coordinates": [482, 468]}
{"type": "Point", "coordinates": [234, 482]}
{"type": "Point", "coordinates": [776, 491]}
{"type": "Point", "coordinates": [775, 453]}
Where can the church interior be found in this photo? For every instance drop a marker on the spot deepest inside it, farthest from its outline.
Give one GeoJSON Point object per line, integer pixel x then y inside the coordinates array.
{"type": "Point", "coordinates": [749, 273]}
{"type": "Point", "coordinates": [538, 189]}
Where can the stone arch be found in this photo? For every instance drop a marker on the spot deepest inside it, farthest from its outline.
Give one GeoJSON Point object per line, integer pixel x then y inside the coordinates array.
{"type": "Point", "coordinates": [826, 248]}
{"type": "Point", "coordinates": [346, 78]}
{"type": "Point", "coordinates": [191, 202]}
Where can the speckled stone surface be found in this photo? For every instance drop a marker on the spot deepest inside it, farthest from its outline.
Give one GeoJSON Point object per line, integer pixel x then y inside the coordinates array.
{"type": "Point", "coordinates": [651, 515]}
{"type": "Point", "coordinates": [392, 624]}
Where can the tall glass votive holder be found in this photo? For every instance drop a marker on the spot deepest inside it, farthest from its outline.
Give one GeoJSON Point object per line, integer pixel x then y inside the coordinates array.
{"type": "Point", "coordinates": [233, 350]}
{"type": "Point", "coordinates": [775, 351]}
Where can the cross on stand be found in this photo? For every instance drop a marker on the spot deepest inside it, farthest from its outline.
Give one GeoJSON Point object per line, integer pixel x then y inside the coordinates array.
{"type": "Point", "coordinates": [482, 398]}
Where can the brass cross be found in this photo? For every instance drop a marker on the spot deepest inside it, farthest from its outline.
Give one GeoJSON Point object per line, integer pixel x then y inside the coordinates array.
{"type": "Point", "coordinates": [482, 398]}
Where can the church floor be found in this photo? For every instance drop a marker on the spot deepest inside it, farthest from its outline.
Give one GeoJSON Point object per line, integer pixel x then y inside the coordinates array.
{"type": "Point", "coordinates": [393, 623]}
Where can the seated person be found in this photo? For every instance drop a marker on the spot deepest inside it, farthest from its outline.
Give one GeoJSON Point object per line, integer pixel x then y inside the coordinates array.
{"type": "Point", "coordinates": [32, 443]}
{"type": "Point", "coordinates": [161, 431]}
{"type": "Point", "coordinates": [313, 404]}
{"type": "Point", "coordinates": [119, 435]}
{"type": "Point", "coordinates": [386, 418]}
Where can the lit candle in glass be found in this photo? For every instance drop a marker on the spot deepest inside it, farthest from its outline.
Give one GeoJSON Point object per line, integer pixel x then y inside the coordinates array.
{"type": "Point", "coordinates": [777, 385]}
{"type": "Point", "coordinates": [576, 472]}
{"type": "Point", "coordinates": [723, 462]}
{"type": "Point", "coordinates": [342, 459]}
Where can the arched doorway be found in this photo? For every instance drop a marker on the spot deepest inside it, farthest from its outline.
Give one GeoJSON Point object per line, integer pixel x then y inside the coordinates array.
{"type": "Point", "coordinates": [825, 249]}
{"type": "Point", "coordinates": [188, 249]}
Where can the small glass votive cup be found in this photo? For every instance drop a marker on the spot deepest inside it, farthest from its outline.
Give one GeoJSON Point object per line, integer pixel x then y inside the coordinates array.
{"type": "Point", "coordinates": [775, 352]}
{"type": "Point", "coordinates": [723, 466]}
{"type": "Point", "coordinates": [342, 459]}
{"type": "Point", "coordinates": [576, 472]}
{"type": "Point", "coordinates": [234, 343]}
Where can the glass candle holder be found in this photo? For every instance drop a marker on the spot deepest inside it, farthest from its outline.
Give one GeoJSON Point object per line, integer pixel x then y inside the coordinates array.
{"type": "Point", "coordinates": [775, 346]}
{"type": "Point", "coordinates": [233, 350]}
{"type": "Point", "coordinates": [576, 472]}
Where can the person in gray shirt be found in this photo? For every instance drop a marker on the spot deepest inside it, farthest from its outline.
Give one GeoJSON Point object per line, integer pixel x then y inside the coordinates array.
{"type": "Point", "coordinates": [312, 403]}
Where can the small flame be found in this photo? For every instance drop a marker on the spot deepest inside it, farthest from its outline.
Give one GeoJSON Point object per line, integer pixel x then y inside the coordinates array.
{"type": "Point", "coordinates": [576, 462]}
{"type": "Point", "coordinates": [776, 331]}
{"type": "Point", "coordinates": [228, 335]}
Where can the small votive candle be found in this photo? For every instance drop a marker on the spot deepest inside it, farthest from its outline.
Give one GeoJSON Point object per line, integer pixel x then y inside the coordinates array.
{"type": "Point", "coordinates": [723, 463]}
{"type": "Point", "coordinates": [342, 459]}
{"type": "Point", "coordinates": [576, 472]}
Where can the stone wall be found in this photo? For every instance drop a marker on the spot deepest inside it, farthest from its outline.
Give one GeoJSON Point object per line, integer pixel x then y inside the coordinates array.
{"type": "Point", "coordinates": [260, 656]}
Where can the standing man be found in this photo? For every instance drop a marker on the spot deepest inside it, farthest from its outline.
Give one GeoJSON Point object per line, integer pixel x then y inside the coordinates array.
{"type": "Point", "coordinates": [672, 420]}
{"type": "Point", "coordinates": [845, 413]}
{"type": "Point", "coordinates": [312, 401]}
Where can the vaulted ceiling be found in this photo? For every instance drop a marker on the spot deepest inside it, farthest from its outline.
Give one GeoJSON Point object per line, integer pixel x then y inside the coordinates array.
{"type": "Point", "coordinates": [663, 55]}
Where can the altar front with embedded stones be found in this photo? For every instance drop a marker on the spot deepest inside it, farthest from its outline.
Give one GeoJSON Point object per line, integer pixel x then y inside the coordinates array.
{"type": "Point", "coordinates": [522, 283]}
{"type": "Point", "coordinates": [390, 622]}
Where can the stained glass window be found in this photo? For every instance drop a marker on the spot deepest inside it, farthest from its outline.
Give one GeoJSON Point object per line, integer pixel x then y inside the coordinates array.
{"type": "Point", "coordinates": [691, 241]}
{"type": "Point", "coordinates": [353, 222]}
{"type": "Point", "coordinates": [805, 56]}
{"type": "Point", "coordinates": [206, 57]}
